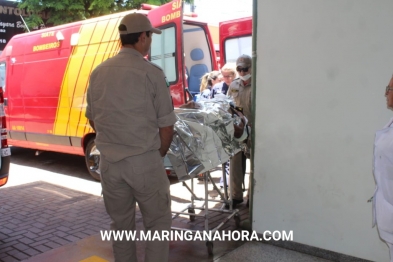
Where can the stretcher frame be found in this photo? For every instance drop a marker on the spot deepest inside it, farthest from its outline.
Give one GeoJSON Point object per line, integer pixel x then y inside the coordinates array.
{"type": "Point", "coordinates": [226, 199]}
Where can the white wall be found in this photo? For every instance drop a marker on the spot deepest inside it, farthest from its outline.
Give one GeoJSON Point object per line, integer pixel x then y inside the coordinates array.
{"type": "Point", "coordinates": [322, 66]}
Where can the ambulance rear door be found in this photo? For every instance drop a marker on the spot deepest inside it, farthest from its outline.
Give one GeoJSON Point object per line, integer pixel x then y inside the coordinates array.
{"type": "Point", "coordinates": [167, 48]}
{"type": "Point", "coordinates": [235, 39]}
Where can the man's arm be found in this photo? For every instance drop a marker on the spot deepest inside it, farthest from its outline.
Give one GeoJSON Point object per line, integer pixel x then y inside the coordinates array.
{"type": "Point", "coordinates": [166, 135]}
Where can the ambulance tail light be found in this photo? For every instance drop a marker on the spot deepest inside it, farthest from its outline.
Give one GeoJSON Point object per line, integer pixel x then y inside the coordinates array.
{"type": "Point", "coordinates": [4, 150]}
{"type": "Point", "coordinates": [4, 144]}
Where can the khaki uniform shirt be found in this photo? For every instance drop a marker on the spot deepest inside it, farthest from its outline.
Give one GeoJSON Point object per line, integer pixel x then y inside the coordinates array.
{"type": "Point", "coordinates": [128, 99]}
{"type": "Point", "coordinates": [242, 96]}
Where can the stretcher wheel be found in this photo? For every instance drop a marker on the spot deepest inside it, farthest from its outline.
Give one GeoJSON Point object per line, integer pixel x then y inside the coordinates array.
{"type": "Point", "coordinates": [209, 246]}
{"type": "Point", "coordinates": [237, 220]}
{"type": "Point", "coordinates": [191, 211]}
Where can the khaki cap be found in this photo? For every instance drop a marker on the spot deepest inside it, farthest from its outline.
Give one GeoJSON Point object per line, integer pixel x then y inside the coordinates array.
{"type": "Point", "coordinates": [135, 23]}
{"type": "Point", "coordinates": [244, 61]}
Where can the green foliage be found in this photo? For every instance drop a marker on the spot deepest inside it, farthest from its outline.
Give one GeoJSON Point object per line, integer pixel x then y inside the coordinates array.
{"type": "Point", "coordinates": [56, 12]}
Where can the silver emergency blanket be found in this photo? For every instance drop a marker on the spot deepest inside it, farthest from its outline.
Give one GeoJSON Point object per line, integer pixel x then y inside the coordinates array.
{"type": "Point", "coordinates": [203, 138]}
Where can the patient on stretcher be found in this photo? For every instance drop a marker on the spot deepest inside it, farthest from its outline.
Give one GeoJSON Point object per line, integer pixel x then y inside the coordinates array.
{"type": "Point", "coordinates": [207, 134]}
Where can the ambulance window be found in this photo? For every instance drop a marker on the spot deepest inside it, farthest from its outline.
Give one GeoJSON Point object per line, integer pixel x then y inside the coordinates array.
{"type": "Point", "coordinates": [2, 75]}
{"type": "Point", "coordinates": [163, 50]}
{"type": "Point", "coordinates": [236, 47]}
{"type": "Point", "coordinates": [197, 49]}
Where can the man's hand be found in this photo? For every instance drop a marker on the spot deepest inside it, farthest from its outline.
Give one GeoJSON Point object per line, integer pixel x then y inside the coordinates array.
{"type": "Point", "coordinates": [190, 105]}
{"type": "Point", "coordinates": [166, 136]}
{"type": "Point", "coordinates": [239, 129]}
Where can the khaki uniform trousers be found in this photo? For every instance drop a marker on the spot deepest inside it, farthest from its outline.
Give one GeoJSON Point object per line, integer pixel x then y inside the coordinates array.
{"type": "Point", "coordinates": [140, 179]}
{"type": "Point", "coordinates": [391, 251]}
{"type": "Point", "coordinates": [237, 171]}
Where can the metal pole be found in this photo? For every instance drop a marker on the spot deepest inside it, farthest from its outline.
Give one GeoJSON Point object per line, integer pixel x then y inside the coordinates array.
{"type": "Point", "coordinates": [24, 23]}
{"type": "Point", "coordinates": [206, 177]}
{"type": "Point", "coordinates": [192, 6]}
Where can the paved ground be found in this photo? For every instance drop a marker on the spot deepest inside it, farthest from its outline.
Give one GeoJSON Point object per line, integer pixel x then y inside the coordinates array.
{"type": "Point", "coordinates": [51, 210]}
{"type": "Point", "coordinates": [45, 210]}
{"type": "Point", "coordinates": [40, 216]}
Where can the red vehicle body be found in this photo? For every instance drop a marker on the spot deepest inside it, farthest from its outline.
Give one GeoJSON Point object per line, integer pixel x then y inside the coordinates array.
{"type": "Point", "coordinates": [47, 71]}
{"type": "Point", "coordinates": [235, 39]}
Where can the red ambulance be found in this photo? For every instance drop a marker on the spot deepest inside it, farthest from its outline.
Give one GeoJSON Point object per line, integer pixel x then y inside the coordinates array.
{"type": "Point", "coordinates": [47, 72]}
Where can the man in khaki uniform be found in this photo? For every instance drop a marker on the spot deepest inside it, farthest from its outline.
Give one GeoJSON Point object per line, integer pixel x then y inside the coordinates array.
{"type": "Point", "coordinates": [240, 91]}
{"type": "Point", "coordinates": [130, 107]}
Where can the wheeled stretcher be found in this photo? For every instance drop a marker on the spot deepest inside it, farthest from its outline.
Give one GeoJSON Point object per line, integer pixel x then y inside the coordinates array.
{"type": "Point", "coordinates": [203, 140]}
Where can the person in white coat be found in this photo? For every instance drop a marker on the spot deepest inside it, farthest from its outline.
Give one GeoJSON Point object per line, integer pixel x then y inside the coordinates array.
{"type": "Point", "coordinates": [383, 173]}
